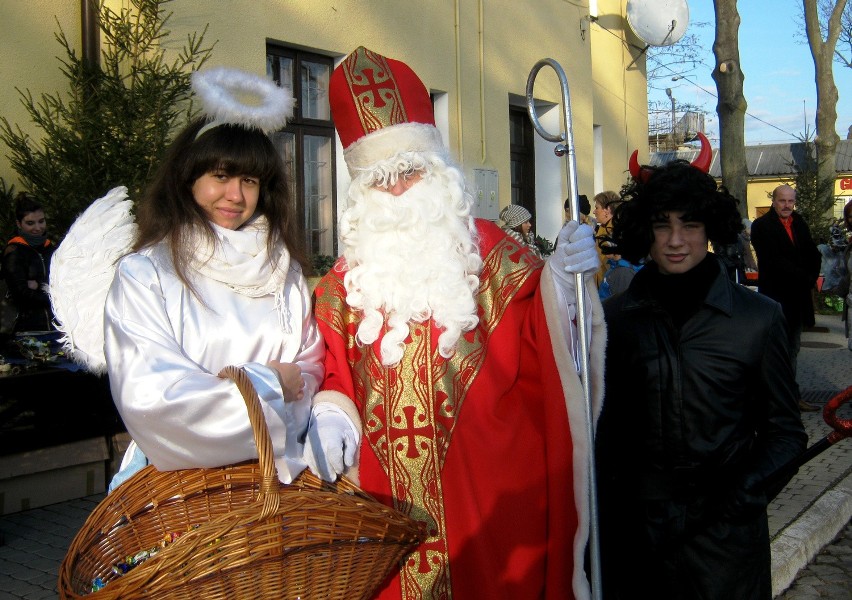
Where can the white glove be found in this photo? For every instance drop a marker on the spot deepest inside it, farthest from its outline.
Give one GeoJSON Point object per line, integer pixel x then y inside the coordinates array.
{"type": "Point", "coordinates": [575, 253]}
{"type": "Point", "coordinates": [331, 444]}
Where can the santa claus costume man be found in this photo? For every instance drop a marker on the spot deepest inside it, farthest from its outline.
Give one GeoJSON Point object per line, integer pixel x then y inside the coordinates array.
{"type": "Point", "coordinates": [453, 351]}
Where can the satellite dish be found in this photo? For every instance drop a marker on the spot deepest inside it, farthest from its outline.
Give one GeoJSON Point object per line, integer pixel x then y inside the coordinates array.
{"type": "Point", "coordinates": [658, 22]}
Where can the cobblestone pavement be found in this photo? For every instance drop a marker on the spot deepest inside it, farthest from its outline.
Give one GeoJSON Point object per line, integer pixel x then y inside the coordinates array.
{"type": "Point", "coordinates": [826, 363]}
{"type": "Point", "coordinates": [829, 575]}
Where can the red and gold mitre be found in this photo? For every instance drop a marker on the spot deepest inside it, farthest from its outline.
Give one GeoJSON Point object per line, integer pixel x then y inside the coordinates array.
{"type": "Point", "coordinates": [380, 109]}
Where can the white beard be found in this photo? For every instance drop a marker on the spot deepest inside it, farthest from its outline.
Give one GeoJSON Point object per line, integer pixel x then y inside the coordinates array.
{"type": "Point", "coordinates": [411, 258]}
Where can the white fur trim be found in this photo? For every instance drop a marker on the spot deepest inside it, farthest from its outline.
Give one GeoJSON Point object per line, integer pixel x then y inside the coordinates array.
{"type": "Point", "coordinates": [343, 402]}
{"type": "Point", "coordinates": [388, 142]}
{"type": "Point", "coordinates": [223, 93]}
{"type": "Point", "coordinates": [578, 411]}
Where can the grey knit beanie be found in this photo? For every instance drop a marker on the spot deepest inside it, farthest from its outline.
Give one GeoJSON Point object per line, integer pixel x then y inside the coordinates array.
{"type": "Point", "coordinates": [514, 215]}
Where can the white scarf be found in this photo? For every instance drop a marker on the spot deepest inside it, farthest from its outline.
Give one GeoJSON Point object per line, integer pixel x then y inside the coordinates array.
{"type": "Point", "coordinates": [239, 259]}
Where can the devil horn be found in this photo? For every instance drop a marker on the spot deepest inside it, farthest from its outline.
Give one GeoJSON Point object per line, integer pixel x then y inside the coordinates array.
{"type": "Point", "coordinates": [634, 165]}
{"type": "Point", "coordinates": [705, 155]}
{"type": "Point", "coordinates": [639, 174]}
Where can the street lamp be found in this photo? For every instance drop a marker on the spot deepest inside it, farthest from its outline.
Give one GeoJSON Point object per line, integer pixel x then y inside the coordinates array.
{"type": "Point", "coordinates": [674, 136]}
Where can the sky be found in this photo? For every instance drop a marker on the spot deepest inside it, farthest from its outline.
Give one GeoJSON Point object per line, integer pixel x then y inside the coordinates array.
{"type": "Point", "coordinates": [779, 73]}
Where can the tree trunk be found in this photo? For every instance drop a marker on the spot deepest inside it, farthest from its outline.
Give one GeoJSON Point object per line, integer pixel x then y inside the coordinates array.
{"type": "Point", "coordinates": [732, 105]}
{"type": "Point", "coordinates": [827, 95]}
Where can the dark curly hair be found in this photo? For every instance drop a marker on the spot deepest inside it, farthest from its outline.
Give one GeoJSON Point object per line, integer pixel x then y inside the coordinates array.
{"type": "Point", "coordinates": [676, 186]}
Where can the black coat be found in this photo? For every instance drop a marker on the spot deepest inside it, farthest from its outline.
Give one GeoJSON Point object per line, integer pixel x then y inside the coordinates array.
{"type": "Point", "coordinates": [787, 272]}
{"type": "Point", "coordinates": [693, 419]}
{"type": "Point", "coordinates": [22, 262]}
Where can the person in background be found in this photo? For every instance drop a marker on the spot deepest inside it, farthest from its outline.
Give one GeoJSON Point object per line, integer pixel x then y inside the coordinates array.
{"type": "Point", "coordinates": [615, 272]}
{"type": "Point", "coordinates": [748, 252]}
{"type": "Point", "coordinates": [517, 222]}
{"type": "Point", "coordinates": [458, 348]}
{"type": "Point", "coordinates": [788, 264]}
{"type": "Point", "coordinates": [26, 267]}
{"type": "Point", "coordinates": [584, 207]}
{"type": "Point", "coordinates": [738, 257]}
{"type": "Point", "coordinates": [605, 202]}
{"type": "Point", "coordinates": [700, 405]}
{"type": "Point", "coordinates": [214, 278]}
{"type": "Point", "coordinates": [618, 275]}
{"type": "Point", "coordinates": [833, 273]}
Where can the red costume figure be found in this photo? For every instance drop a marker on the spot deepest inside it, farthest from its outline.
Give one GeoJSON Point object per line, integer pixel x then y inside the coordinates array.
{"type": "Point", "coordinates": [455, 346]}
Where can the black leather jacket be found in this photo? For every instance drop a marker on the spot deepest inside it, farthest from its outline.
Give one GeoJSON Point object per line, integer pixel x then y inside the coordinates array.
{"type": "Point", "coordinates": [707, 409]}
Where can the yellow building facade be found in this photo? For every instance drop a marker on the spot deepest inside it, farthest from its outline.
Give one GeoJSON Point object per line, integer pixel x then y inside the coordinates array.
{"type": "Point", "coordinates": [760, 193]}
{"type": "Point", "coordinates": [474, 56]}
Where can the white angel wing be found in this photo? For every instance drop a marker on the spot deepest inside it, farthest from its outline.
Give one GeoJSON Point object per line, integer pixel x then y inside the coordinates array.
{"type": "Point", "coordinates": [81, 271]}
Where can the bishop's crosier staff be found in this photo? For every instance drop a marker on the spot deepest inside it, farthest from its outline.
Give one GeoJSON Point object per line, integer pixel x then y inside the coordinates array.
{"type": "Point", "coordinates": [561, 149]}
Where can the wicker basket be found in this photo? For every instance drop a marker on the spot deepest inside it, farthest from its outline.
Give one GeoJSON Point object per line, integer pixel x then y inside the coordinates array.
{"type": "Point", "coordinates": [247, 536]}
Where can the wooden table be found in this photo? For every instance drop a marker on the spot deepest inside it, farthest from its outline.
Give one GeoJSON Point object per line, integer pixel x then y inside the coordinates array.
{"type": "Point", "coordinates": [44, 405]}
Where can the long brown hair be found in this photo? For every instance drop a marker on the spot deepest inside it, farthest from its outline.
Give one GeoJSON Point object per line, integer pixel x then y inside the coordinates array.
{"type": "Point", "coordinates": [168, 211]}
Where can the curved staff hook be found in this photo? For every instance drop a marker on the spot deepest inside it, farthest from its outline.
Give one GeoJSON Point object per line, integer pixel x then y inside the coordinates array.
{"type": "Point", "coordinates": [841, 429]}
{"type": "Point", "coordinates": [574, 208]}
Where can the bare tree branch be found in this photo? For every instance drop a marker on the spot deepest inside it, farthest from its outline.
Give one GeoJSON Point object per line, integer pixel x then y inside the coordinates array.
{"type": "Point", "coordinates": [823, 35]}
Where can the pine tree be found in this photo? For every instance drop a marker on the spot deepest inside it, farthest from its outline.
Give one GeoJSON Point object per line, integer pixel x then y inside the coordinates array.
{"type": "Point", "coordinates": [814, 196]}
{"type": "Point", "coordinates": [116, 119]}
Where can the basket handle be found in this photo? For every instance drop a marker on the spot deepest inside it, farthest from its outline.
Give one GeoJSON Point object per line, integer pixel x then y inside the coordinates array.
{"type": "Point", "coordinates": [269, 474]}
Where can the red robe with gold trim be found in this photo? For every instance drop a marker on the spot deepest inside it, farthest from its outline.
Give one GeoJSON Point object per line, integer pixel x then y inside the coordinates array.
{"type": "Point", "coordinates": [488, 448]}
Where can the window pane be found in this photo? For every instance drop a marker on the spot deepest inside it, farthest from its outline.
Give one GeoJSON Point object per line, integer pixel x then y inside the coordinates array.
{"type": "Point", "coordinates": [315, 91]}
{"type": "Point", "coordinates": [318, 201]}
{"type": "Point", "coordinates": [285, 144]}
{"type": "Point", "coordinates": [517, 170]}
{"type": "Point", "coordinates": [280, 70]}
{"type": "Point", "coordinates": [516, 130]}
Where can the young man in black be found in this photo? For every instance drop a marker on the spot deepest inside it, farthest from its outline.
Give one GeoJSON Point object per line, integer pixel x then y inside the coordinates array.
{"type": "Point", "coordinates": [700, 403]}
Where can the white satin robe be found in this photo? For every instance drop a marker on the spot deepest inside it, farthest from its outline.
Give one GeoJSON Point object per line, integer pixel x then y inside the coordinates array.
{"type": "Point", "coordinates": [164, 349]}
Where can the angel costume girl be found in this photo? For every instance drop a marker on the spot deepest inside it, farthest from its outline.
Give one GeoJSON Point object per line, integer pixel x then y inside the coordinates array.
{"type": "Point", "coordinates": [164, 346]}
{"type": "Point", "coordinates": [200, 291]}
